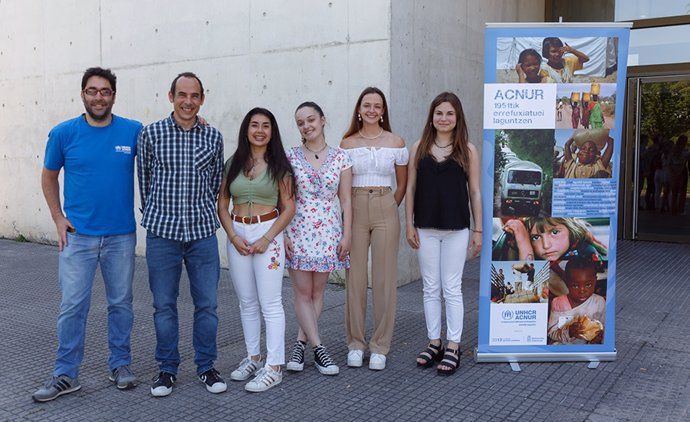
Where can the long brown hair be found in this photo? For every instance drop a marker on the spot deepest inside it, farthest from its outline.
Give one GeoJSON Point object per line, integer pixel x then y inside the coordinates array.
{"type": "Point", "coordinates": [356, 125]}
{"type": "Point", "coordinates": [460, 151]}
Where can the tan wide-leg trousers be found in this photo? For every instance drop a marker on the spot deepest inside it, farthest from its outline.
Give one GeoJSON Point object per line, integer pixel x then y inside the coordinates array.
{"type": "Point", "coordinates": [376, 223]}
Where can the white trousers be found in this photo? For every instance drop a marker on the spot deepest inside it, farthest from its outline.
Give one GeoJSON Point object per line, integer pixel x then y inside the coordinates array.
{"type": "Point", "coordinates": [441, 256]}
{"type": "Point", "coordinates": [258, 281]}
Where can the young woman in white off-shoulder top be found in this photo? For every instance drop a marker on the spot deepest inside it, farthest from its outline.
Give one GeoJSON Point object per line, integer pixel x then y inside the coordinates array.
{"type": "Point", "coordinates": [379, 157]}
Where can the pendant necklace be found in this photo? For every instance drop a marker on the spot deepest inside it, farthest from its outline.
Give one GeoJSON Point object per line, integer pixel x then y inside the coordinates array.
{"type": "Point", "coordinates": [316, 153]}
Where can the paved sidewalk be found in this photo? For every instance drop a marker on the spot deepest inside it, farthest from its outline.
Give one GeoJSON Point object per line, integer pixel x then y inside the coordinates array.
{"type": "Point", "coordinates": [649, 381]}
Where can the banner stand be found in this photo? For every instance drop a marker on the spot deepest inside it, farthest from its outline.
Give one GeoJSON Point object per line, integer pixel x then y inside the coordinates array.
{"type": "Point", "coordinates": [514, 358]}
{"type": "Point", "coordinates": [554, 98]}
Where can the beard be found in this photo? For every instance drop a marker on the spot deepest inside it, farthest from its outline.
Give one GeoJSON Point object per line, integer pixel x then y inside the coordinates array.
{"type": "Point", "coordinates": [100, 116]}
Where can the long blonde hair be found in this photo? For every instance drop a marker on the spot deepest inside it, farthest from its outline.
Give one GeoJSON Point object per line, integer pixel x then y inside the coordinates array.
{"type": "Point", "coordinates": [460, 151]}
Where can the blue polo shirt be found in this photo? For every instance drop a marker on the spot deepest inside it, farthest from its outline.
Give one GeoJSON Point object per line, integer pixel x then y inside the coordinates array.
{"type": "Point", "coordinates": [98, 173]}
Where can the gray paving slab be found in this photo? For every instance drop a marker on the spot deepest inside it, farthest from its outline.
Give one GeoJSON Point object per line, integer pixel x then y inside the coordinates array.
{"type": "Point", "coordinates": [649, 381]}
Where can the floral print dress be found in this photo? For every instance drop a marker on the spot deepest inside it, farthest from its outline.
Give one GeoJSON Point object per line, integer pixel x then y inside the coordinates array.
{"type": "Point", "coordinates": [317, 227]}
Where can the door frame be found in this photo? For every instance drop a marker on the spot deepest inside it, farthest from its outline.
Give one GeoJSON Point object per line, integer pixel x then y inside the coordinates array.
{"type": "Point", "coordinates": [630, 144]}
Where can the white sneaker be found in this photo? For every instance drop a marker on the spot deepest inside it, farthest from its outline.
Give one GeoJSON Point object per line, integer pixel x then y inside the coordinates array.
{"type": "Point", "coordinates": [377, 361]}
{"type": "Point", "coordinates": [265, 378]}
{"type": "Point", "coordinates": [246, 369]}
{"type": "Point", "coordinates": [354, 358]}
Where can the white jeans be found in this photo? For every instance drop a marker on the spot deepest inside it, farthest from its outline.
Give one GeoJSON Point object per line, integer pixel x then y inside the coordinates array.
{"type": "Point", "coordinates": [441, 256]}
{"type": "Point", "coordinates": [258, 281]}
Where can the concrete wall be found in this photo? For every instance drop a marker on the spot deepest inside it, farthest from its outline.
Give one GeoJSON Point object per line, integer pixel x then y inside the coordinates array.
{"type": "Point", "coordinates": [270, 53]}
{"type": "Point", "coordinates": [436, 46]}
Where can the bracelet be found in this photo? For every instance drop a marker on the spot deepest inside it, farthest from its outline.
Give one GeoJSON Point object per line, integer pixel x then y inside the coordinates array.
{"type": "Point", "coordinates": [269, 240]}
{"type": "Point", "coordinates": [476, 231]}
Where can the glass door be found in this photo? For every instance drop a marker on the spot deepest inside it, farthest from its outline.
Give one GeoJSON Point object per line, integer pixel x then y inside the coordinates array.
{"type": "Point", "coordinates": [659, 122]}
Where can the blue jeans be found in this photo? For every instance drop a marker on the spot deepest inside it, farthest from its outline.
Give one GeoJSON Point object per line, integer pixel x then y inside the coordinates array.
{"type": "Point", "coordinates": [77, 269]}
{"type": "Point", "coordinates": [164, 258]}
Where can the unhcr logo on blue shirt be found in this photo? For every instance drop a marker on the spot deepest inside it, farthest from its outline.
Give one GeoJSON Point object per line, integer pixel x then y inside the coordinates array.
{"type": "Point", "coordinates": [125, 149]}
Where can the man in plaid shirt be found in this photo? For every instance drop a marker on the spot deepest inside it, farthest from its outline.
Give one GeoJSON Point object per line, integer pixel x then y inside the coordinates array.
{"type": "Point", "coordinates": [180, 165]}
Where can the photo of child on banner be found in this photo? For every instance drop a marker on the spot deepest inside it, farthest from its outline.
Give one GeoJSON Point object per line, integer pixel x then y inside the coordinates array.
{"type": "Point", "coordinates": [549, 238]}
{"type": "Point", "coordinates": [585, 154]}
{"type": "Point", "coordinates": [528, 68]}
{"type": "Point", "coordinates": [561, 60]}
{"type": "Point", "coordinates": [579, 316]}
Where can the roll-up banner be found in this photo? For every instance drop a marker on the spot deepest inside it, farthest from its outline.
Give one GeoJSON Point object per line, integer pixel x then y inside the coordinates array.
{"type": "Point", "coordinates": [553, 119]}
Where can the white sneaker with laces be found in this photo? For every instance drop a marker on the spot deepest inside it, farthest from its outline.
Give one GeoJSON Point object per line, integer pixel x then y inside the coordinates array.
{"type": "Point", "coordinates": [355, 358]}
{"type": "Point", "coordinates": [265, 378]}
{"type": "Point", "coordinates": [377, 361]}
{"type": "Point", "coordinates": [246, 369]}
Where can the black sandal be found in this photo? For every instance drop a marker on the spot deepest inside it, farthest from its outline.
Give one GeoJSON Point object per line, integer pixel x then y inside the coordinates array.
{"type": "Point", "coordinates": [433, 352]}
{"type": "Point", "coordinates": [451, 359]}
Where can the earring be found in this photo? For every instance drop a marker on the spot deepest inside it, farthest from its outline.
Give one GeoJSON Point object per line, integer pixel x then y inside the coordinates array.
{"type": "Point", "coordinates": [359, 117]}
{"type": "Point", "coordinates": [381, 119]}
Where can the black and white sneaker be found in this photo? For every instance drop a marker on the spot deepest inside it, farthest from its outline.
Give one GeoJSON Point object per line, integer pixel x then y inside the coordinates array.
{"type": "Point", "coordinates": [324, 362]}
{"type": "Point", "coordinates": [214, 383]}
{"type": "Point", "coordinates": [296, 362]}
{"type": "Point", "coordinates": [162, 384]}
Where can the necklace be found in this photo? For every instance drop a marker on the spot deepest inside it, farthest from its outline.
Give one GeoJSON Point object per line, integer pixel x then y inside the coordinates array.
{"type": "Point", "coordinates": [442, 147]}
{"type": "Point", "coordinates": [370, 137]}
{"type": "Point", "coordinates": [316, 153]}
{"type": "Point", "coordinates": [255, 162]}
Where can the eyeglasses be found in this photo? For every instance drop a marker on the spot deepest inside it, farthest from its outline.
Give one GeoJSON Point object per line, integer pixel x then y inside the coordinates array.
{"type": "Point", "coordinates": [105, 92]}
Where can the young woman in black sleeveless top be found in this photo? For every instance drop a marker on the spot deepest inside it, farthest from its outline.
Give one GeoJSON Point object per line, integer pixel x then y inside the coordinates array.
{"type": "Point", "coordinates": [443, 182]}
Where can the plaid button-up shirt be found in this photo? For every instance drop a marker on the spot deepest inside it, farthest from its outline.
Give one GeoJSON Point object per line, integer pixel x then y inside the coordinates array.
{"type": "Point", "coordinates": [179, 176]}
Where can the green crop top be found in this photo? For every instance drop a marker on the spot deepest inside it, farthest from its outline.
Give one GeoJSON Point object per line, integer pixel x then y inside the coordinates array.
{"type": "Point", "coordinates": [263, 190]}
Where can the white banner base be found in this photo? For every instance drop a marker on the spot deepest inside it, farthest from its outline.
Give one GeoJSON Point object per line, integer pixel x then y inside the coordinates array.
{"type": "Point", "coordinates": [545, 357]}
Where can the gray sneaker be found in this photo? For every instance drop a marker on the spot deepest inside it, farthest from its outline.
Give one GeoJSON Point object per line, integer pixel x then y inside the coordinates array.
{"type": "Point", "coordinates": [56, 387]}
{"type": "Point", "coordinates": [123, 378]}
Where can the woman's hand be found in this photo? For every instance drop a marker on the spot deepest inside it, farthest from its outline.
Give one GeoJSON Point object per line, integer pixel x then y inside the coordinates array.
{"type": "Point", "coordinates": [259, 246]}
{"type": "Point", "coordinates": [288, 247]}
{"type": "Point", "coordinates": [475, 247]}
{"type": "Point", "coordinates": [412, 237]}
{"type": "Point", "coordinates": [343, 248]}
{"type": "Point", "coordinates": [240, 244]}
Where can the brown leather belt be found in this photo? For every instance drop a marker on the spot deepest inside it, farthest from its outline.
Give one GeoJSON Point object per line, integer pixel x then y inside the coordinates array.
{"type": "Point", "coordinates": [257, 218]}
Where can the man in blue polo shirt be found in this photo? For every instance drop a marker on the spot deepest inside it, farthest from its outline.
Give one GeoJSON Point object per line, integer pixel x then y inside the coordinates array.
{"type": "Point", "coordinates": [97, 151]}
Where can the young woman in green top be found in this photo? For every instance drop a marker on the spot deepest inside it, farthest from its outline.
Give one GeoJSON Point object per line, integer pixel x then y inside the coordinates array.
{"type": "Point", "coordinates": [259, 180]}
